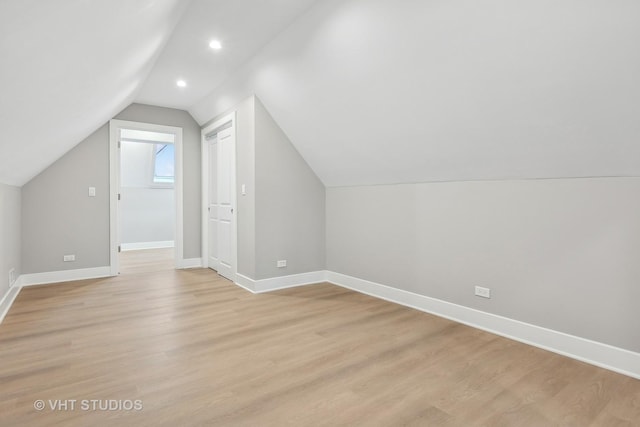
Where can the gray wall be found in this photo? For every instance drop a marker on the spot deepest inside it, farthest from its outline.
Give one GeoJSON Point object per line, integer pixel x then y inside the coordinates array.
{"type": "Point", "coordinates": [559, 253]}
{"type": "Point", "coordinates": [290, 204]}
{"type": "Point", "coordinates": [192, 167]}
{"type": "Point", "coordinates": [282, 215]}
{"type": "Point", "coordinates": [9, 234]}
{"type": "Point", "coordinates": [59, 218]}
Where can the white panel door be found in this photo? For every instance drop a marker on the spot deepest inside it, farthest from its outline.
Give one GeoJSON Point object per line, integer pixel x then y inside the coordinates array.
{"type": "Point", "coordinates": [221, 204]}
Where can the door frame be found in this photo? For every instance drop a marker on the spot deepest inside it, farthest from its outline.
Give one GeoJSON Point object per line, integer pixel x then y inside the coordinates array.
{"type": "Point", "coordinates": [217, 125]}
{"type": "Point", "coordinates": [114, 186]}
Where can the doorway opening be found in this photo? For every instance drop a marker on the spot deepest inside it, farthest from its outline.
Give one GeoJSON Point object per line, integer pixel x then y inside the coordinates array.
{"type": "Point", "coordinates": [146, 197]}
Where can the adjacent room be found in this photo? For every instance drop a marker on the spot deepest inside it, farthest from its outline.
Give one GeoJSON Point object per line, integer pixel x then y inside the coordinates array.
{"type": "Point", "coordinates": [147, 201]}
{"type": "Point", "coordinates": [320, 212]}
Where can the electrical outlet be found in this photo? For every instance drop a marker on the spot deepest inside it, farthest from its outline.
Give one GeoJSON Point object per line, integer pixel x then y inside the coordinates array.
{"type": "Point", "coordinates": [483, 292]}
{"type": "Point", "coordinates": [68, 258]}
{"type": "Point", "coordinates": [281, 263]}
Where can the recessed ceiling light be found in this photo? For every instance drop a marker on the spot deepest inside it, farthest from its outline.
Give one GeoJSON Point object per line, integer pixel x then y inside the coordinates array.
{"type": "Point", "coordinates": [215, 44]}
{"type": "Point", "coordinates": [181, 83]}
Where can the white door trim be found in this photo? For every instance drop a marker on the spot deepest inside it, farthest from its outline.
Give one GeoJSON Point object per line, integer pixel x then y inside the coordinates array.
{"type": "Point", "coordinates": [114, 185]}
{"type": "Point", "coordinates": [222, 122]}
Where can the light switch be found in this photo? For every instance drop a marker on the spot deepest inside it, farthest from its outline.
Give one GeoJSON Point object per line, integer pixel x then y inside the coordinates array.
{"type": "Point", "coordinates": [243, 189]}
{"type": "Point", "coordinates": [92, 191]}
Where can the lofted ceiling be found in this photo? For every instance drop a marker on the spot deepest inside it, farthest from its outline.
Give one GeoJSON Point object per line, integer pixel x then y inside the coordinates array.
{"type": "Point", "coordinates": [241, 26]}
{"type": "Point", "coordinates": [369, 91]}
{"type": "Point", "coordinates": [69, 66]}
{"type": "Point", "coordinates": [382, 91]}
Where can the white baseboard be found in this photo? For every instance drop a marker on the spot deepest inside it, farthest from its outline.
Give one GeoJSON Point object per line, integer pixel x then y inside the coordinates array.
{"type": "Point", "coordinates": [8, 299]}
{"type": "Point", "coordinates": [64, 276]}
{"type": "Point", "coordinates": [281, 282]}
{"type": "Point", "coordinates": [603, 355]}
{"type": "Point", "coordinates": [147, 245]}
{"type": "Point", "coordinates": [246, 283]}
{"type": "Point", "coordinates": [190, 263]}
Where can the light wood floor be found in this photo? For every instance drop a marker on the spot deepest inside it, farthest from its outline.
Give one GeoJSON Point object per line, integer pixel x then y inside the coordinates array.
{"type": "Point", "coordinates": [198, 350]}
{"type": "Point", "coordinates": [146, 260]}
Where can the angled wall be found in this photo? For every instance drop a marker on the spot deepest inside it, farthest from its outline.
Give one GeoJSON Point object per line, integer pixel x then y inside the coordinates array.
{"type": "Point", "coordinates": [59, 218]}
{"type": "Point", "coordinates": [381, 91]}
{"type": "Point", "coordinates": [290, 204]}
{"type": "Point", "coordinates": [282, 214]}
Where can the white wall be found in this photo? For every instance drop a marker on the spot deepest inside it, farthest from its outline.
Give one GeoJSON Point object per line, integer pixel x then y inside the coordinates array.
{"type": "Point", "coordinates": [147, 214]}
{"type": "Point", "coordinates": [136, 162]}
{"type": "Point", "coordinates": [561, 254]}
{"type": "Point", "coordinates": [10, 208]}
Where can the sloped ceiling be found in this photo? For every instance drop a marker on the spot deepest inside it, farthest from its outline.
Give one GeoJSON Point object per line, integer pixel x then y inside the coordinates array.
{"type": "Point", "coordinates": [68, 66]}
{"type": "Point", "coordinates": [242, 26]}
{"type": "Point", "coordinates": [369, 91]}
{"type": "Point", "coordinates": [381, 91]}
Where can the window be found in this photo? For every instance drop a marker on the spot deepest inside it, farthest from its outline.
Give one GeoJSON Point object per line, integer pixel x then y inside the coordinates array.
{"type": "Point", "coordinates": [164, 165]}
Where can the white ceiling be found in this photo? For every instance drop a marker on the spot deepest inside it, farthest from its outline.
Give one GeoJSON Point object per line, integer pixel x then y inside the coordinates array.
{"type": "Point", "coordinates": [69, 66]}
{"type": "Point", "coordinates": [382, 91]}
{"type": "Point", "coordinates": [369, 91]}
{"type": "Point", "coordinates": [242, 26]}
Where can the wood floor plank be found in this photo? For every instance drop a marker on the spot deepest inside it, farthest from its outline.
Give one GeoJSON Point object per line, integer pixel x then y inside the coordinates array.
{"type": "Point", "coordinates": [198, 350]}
